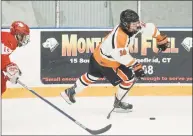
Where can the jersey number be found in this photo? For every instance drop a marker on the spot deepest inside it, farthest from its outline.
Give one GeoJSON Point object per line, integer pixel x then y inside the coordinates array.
{"type": "Point", "coordinates": [5, 49]}
{"type": "Point", "coordinates": [123, 52]}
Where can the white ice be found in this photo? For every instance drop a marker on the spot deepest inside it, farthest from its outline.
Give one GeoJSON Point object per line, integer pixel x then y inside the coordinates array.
{"type": "Point", "coordinates": [32, 116]}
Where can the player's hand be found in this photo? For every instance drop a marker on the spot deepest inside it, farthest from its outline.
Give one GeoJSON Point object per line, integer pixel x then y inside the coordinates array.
{"type": "Point", "coordinates": [139, 72]}
{"type": "Point", "coordinates": [162, 42]}
{"type": "Point", "coordinates": [12, 73]}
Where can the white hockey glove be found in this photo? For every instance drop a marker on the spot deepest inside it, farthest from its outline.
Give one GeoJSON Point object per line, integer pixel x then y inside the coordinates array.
{"type": "Point", "coordinates": [13, 72]}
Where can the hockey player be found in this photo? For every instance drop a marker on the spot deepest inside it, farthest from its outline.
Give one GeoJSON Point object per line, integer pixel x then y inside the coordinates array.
{"type": "Point", "coordinates": [111, 59]}
{"type": "Point", "coordinates": [17, 37]}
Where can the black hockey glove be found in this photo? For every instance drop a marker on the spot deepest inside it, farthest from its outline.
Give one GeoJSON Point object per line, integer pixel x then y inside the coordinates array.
{"type": "Point", "coordinates": [139, 72]}
{"type": "Point", "coordinates": [162, 42]}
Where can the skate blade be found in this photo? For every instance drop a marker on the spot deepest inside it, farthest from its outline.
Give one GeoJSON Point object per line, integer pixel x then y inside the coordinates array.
{"type": "Point", "coordinates": [65, 97]}
{"type": "Point", "coordinates": [119, 110]}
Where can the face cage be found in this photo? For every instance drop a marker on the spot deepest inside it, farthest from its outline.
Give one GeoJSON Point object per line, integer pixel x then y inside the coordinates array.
{"type": "Point", "coordinates": [137, 26]}
{"type": "Point", "coordinates": [127, 27]}
{"type": "Point", "coordinates": [23, 40]}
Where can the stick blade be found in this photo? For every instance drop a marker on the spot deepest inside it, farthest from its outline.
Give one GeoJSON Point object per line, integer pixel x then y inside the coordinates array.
{"type": "Point", "coordinates": [100, 131]}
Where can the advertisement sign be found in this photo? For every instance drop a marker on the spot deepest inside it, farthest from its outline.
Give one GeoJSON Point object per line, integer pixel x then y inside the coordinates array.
{"type": "Point", "coordinates": [65, 56]}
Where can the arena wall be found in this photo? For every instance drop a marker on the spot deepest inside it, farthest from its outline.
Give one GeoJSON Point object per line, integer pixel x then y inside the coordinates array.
{"type": "Point", "coordinates": [28, 59]}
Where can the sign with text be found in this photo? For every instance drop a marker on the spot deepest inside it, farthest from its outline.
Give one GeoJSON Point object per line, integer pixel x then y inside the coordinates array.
{"type": "Point", "coordinates": [66, 57]}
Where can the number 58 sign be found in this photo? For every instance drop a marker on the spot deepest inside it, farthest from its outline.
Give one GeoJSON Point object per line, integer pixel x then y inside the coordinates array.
{"type": "Point", "coordinates": [148, 69]}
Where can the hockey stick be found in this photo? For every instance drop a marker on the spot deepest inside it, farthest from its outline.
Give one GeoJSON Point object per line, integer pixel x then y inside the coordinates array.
{"type": "Point", "coordinates": [135, 80]}
{"type": "Point", "coordinates": [93, 132]}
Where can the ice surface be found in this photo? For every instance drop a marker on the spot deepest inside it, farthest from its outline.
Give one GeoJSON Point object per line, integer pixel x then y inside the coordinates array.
{"type": "Point", "coordinates": [32, 116]}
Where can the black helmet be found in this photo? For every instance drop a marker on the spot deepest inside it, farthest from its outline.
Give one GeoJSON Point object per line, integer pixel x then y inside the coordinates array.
{"type": "Point", "coordinates": [128, 16]}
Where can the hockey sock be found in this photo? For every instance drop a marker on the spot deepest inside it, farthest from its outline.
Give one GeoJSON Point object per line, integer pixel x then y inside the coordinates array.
{"type": "Point", "coordinates": [123, 88]}
{"type": "Point", "coordinates": [84, 81]}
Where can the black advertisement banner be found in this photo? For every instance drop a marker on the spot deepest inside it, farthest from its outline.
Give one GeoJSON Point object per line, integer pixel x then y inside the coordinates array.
{"type": "Point", "coordinates": [65, 56]}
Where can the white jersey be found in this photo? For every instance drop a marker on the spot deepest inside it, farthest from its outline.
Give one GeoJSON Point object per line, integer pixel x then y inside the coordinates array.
{"type": "Point", "coordinates": [114, 51]}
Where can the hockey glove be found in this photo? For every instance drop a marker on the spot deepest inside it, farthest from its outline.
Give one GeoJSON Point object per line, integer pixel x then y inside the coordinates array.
{"type": "Point", "coordinates": [13, 73]}
{"type": "Point", "coordinates": [162, 42]}
{"type": "Point", "coordinates": [139, 72]}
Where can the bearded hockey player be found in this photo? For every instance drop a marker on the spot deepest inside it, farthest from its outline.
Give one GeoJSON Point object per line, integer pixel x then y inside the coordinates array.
{"type": "Point", "coordinates": [111, 59]}
{"type": "Point", "coordinates": [17, 37]}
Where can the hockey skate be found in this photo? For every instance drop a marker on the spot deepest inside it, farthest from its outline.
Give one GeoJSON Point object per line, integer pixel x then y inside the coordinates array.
{"type": "Point", "coordinates": [68, 95]}
{"type": "Point", "coordinates": [122, 107]}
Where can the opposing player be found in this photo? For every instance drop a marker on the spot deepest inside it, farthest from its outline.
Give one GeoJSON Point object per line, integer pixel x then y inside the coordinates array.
{"type": "Point", "coordinates": [111, 59]}
{"type": "Point", "coordinates": [17, 37]}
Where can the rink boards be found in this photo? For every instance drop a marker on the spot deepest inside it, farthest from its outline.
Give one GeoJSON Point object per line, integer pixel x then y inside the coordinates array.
{"type": "Point", "coordinates": [49, 72]}
{"type": "Point", "coordinates": [103, 91]}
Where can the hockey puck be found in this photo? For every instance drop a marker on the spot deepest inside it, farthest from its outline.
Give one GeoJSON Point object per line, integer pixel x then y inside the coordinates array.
{"type": "Point", "coordinates": [152, 118]}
